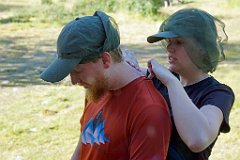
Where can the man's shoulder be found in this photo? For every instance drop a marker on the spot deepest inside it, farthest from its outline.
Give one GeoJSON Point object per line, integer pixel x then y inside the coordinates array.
{"type": "Point", "coordinates": [147, 95]}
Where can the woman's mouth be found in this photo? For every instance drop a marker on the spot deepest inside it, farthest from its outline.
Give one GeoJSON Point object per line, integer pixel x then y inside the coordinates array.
{"type": "Point", "coordinates": [171, 59]}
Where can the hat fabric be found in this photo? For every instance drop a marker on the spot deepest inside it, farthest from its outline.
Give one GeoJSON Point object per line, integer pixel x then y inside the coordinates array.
{"type": "Point", "coordinates": [83, 37]}
{"type": "Point", "coordinates": [160, 36]}
{"type": "Point", "coordinates": [199, 32]}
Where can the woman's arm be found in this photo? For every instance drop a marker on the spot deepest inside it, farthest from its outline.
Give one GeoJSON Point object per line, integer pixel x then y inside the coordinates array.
{"type": "Point", "coordinates": [197, 128]}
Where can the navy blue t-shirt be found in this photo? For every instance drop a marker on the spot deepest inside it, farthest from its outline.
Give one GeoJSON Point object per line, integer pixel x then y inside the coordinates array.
{"type": "Point", "coordinates": [207, 91]}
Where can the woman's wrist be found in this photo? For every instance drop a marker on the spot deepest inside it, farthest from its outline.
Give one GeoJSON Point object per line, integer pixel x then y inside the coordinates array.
{"type": "Point", "coordinates": [172, 81]}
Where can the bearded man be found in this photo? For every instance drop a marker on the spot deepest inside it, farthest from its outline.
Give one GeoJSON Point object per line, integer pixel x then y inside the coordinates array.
{"type": "Point", "coordinates": [124, 117]}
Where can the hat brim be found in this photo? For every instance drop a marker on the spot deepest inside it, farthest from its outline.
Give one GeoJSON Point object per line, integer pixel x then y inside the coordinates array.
{"type": "Point", "coordinates": [161, 35]}
{"type": "Point", "coordinates": [59, 69]}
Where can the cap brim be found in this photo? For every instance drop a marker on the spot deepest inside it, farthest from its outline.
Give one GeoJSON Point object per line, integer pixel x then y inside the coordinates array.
{"type": "Point", "coordinates": [59, 69]}
{"type": "Point", "coordinates": [160, 36]}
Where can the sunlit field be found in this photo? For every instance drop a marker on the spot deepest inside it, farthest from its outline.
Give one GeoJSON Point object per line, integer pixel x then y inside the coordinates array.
{"type": "Point", "coordinates": [40, 121]}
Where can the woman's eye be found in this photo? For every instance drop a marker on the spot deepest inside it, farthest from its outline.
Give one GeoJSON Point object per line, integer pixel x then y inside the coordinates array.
{"type": "Point", "coordinates": [173, 42]}
{"type": "Point", "coordinates": [179, 42]}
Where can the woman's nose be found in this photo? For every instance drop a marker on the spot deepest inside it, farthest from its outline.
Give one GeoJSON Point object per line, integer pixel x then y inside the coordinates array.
{"type": "Point", "coordinates": [170, 48]}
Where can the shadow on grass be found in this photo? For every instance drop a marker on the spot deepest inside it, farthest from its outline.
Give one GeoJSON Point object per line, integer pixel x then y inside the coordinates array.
{"type": "Point", "coordinates": [21, 65]}
{"type": "Point", "coordinates": [16, 19]}
{"type": "Point", "coordinates": [144, 52]}
{"type": "Point", "coordinates": [14, 8]}
{"type": "Point", "coordinates": [7, 7]}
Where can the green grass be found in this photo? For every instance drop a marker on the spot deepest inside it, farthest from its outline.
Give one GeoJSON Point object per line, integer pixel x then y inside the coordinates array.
{"type": "Point", "coordinates": [40, 121]}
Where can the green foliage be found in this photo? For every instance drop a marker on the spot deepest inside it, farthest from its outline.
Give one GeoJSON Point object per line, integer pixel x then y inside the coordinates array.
{"type": "Point", "coordinates": [46, 13]}
{"type": "Point", "coordinates": [145, 7]}
{"type": "Point", "coordinates": [53, 13]}
{"type": "Point", "coordinates": [50, 11]}
{"type": "Point", "coordinates": [110, 5]}
{"type": "Point", "coordinates": [233, 3]}
{"type": "Point", "coordinates": [46, 1]}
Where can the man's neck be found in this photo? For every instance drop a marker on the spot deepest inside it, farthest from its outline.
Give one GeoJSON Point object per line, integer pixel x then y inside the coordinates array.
{"type": "Point", "coordinates": [122, 74]}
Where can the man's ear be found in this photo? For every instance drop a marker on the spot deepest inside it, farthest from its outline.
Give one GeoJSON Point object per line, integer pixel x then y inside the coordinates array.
{"type": "Point", "coordinates": [106, 59]}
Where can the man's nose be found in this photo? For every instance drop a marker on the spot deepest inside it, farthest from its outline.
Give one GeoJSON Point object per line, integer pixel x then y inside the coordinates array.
{"type": "Point", "coordinates": [75, 79]}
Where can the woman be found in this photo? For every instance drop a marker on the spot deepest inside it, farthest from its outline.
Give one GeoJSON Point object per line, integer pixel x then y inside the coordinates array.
{"type": "Point", "coordinates": [199, 104]}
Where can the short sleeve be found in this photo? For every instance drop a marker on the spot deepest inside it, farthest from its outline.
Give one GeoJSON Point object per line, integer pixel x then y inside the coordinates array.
{"type": "Point", "coordinates": [222, 97]}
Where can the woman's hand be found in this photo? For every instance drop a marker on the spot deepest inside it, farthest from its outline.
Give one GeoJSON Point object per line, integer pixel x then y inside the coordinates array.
{"type": "Point", "coordinates": [161, 72]}
{"type": "Point", "coordinates": [131, 59]}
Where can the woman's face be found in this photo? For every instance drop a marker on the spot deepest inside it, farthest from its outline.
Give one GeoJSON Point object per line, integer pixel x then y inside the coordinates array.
{"type": "Point", "coordinates": [178, 59]}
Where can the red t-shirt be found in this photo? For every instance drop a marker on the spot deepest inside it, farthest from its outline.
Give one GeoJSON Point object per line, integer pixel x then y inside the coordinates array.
{"type": "Point", "coordinates": [132, 123]}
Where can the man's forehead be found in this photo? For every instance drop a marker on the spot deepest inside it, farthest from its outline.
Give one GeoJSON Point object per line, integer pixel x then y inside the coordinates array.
{"type": "Point", "coordinates": [176, 38]}
{"type": "Point", "coordinates": [89, 65]}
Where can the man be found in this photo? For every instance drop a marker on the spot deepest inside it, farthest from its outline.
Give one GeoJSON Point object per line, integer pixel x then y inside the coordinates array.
{"type": "Point", "coordinates": [125, 117]}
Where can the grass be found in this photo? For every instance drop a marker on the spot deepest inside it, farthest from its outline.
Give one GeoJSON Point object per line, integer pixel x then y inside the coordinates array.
{"type": "Point", "coordinates": [40, 121]}
{"type": "Point", "coordinates": [37, 124]}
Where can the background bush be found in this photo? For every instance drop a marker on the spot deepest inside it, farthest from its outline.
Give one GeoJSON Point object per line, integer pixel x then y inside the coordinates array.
{"type": "Point", "coordinates": [233, 3]}
{"type": "Point", "coordinates": [61, 11]}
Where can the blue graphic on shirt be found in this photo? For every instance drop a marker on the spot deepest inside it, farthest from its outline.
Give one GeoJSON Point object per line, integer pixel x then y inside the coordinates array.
{"type": "Point", "coordinates": [93, 131]}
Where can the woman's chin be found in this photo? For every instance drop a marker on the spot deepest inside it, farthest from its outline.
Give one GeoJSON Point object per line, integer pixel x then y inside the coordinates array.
{"type": "Point", "coordinates": [172, 68]}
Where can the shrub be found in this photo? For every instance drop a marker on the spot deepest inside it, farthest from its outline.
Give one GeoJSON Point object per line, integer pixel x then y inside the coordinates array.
{"type": "Point", "coordinates": [57, 11]}
{"type": "Point", "coordinates": [46, 1]}
{"type": "Point", "coordinates": [233, 3]}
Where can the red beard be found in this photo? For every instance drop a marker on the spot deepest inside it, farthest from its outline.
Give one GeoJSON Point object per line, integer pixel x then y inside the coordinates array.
{"type": "Point", "coordinates": [99, 88]}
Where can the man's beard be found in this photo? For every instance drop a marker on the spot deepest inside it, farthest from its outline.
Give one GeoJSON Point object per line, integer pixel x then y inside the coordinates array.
{"type": "Point", "coordinates": [97, 90]}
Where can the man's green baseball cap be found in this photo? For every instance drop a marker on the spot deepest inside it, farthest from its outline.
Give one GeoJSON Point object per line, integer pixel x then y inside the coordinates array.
{"type": "Point", "coordinates": [81, 38]}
